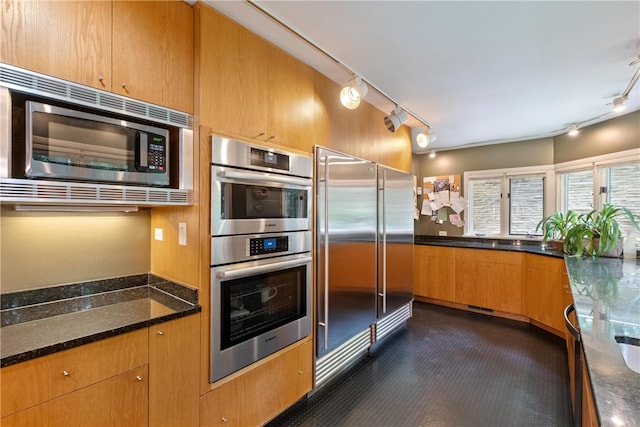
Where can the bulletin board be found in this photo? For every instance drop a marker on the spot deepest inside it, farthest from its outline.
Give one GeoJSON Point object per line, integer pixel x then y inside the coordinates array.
{"type": "Point", "coordinates": [442, 200]}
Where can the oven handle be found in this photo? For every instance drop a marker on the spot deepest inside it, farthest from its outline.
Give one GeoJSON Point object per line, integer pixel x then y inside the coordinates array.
{"type": "Point", "coordinates": [259, 269]}
{"type": "Point", "coordinates": [248, 176]}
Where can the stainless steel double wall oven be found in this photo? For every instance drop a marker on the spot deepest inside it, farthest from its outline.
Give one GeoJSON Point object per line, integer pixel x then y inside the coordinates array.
{"type": "Point", "coordinates": [260, 252]}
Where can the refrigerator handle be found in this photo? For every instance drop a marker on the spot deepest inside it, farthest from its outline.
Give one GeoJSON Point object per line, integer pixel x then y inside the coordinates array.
{"type": "Point", "coordinates": [383, 190]}
{"type": "Point", "coordinates": [325, 324]}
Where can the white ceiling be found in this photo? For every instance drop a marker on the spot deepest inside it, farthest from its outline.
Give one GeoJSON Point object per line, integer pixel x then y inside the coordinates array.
{"type": "Point", "coordinates": [477, 72]}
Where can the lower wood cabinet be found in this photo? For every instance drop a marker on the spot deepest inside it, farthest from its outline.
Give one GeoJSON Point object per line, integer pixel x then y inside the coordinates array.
{"type": "Point", "coordinates": [434, 272]}
{"type": "Point", "coordinates": [262, 393]}
{"type": "Point", "coordinates": [545, 288]}
{"type": "Point", "coordinates": [174, 369]}
{"type": "Point", "coordinates": [148, 377]}
{"type": "Point", "coordinates": [118, 401]}
{"type": "Point", "coordinates": [489, 279]}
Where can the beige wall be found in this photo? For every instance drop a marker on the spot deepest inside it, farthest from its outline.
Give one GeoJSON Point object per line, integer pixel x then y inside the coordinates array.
{"type": "Point", "coordinates": [46, 249]}
{"type": "Point", "coordinates": [618, 134]}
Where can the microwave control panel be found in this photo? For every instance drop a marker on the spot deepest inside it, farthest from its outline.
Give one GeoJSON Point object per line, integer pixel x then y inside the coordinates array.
{"type": "Point", "coordinates": [267, 245]}
{"type": "Point", "coordinates": [152, 153]}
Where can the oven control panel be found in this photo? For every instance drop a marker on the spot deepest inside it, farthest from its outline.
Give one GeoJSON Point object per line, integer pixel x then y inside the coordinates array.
{"type": "Point", "coordinates": [268, 245]}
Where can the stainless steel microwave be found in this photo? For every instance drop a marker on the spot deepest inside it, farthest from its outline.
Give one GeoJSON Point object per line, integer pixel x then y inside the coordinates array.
{"type": "Point", "coordinates": [56, 142]}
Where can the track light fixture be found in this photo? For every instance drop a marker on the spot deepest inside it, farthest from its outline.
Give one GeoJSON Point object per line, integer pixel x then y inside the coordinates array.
{"type": "Point", "coordinates": [424, 138]}
{"type": "Point", "coordinates": [353, 93]}
{"type": "Point", "coordinates": [618, 104]}
{"type": "Point", "coordinates": [573, 130]}
{"type": "Point", "coordinates": [397, 117]}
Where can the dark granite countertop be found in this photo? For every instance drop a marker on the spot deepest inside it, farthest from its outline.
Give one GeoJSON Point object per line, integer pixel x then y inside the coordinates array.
{"type": "Point", "coordinates": [606, 295]}
{"type": "Point", "coordinates": [44, 321]}
{"type": "Point", "coordinates": [518, 245]}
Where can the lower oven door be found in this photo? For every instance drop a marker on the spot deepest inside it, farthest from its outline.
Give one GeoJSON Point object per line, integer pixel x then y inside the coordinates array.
{"type": "Point", "coordinates": [258, 308]}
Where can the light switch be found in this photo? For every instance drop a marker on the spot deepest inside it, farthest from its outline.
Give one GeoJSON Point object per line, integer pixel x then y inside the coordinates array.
{"type": "Point", "coordinates": [182, 234]}
{"type": "Point", "coordinates": [442, 233]}
{"type": "Point", "coordinates": [157, 233]}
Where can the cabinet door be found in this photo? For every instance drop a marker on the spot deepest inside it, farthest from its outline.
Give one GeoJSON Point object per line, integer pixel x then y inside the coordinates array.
{"type": "Point", "coordinates": [66, 39]}
{"type": "Point", "coordinates": [544, 294]}
{"type": "Point", "coordinates": [174, 366]}
{"type": "Point", "coordinates": [262, 393]}
{"type": "Point", "coordinates": [118, 401]}
{"type": "Point", "coordinates": [434, 272]}
{"type": "Point", "coordinates": [153, 52]}
{"type": "Point", "coordinates": [35, 381]}
{"type": "Point", "coordinates": [290, 101]}
{"type": "Point", "coordinates": [504, 287]}
{"type": "Point", "coordinates": [232, 76]}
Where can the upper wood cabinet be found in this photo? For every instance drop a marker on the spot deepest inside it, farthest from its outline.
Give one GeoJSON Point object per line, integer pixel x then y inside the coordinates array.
{"type": "Point", "coordinates": [153, 52]}
{"type": "Point", "coordinates": [66, 39]}
{"type": "Point", "coordinates": [143, 49]}
{"type": "Point", "coordinates": [250, 88]}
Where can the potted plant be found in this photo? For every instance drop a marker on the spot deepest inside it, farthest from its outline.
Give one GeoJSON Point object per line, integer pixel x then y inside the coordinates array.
{"type": "Point", "coordinates": [597, 233]}
{"type": "Point", "coordinates": [555, 228]}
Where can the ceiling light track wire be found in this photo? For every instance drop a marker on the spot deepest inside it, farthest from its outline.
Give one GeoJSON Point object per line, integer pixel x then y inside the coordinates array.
{"type": "Point", "coordinates": [283, 24]}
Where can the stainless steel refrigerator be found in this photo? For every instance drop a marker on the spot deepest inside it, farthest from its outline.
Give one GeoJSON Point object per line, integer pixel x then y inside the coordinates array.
{"type": "Point", "coordinates": [395, 239]}
{"type": "Point", "coordinates": [364, 254]}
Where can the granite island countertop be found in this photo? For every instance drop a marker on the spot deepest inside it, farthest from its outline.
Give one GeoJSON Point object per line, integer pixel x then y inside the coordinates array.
{"type": "Point", "coordinates": [606, 295]}
{"type": "Point", "coordinates": [44, 321]}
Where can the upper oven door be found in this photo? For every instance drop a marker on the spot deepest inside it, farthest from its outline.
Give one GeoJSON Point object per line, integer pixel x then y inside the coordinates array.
{"type": "Point", "coordinates": [244, 202]}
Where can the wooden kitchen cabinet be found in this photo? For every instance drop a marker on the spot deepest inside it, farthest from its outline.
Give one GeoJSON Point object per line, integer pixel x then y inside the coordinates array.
{"type": "Point", "coordinates": [489, 279]}
{"type": "Point", "coordinates": [174, 368]}
{"type": "Point", "coordinates": [153, 52]}
{"type": "Point", "coordinates": [261, 393]}
{"type": "Point", "coordinates": [545, 290]}
{"type": "Point", "coordinates": [250, 88]}
{"type": "Point", "coordinates": [66, 39]}
{"type": "Point", "coordinates": [434, 272]}
{"type": "Point", "coordinates": [147, 46]}
{"type": "Point", "coordinates": [36, 381]}
{"type": "Point", "coordinates": [118, 401]}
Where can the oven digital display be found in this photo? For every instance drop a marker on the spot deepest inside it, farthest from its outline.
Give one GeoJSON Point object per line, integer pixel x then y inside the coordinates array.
{"type": "Point", "coordinates": [269, 243]}
{"type": "Point", "coordinates": [268, 159]}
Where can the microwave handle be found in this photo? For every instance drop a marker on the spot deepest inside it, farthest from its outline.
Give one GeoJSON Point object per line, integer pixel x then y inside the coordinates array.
{"type": "Point", "coordinates": [248, 176]}
{"type": "Point", "coordinates": [259, 269]}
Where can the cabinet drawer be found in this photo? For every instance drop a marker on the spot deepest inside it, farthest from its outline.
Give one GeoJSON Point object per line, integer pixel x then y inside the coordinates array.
{"type": "Point", "coordinates": [436, 251]}
{"type": "Point", "coordinates": [39, 380]}
{"type": "Point", "coordinates": [488, 256]}
{"type": "Point", "coordinates": [543, 262]}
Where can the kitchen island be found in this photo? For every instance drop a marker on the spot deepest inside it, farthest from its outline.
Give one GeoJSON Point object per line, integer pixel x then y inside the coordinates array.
{"type": "Point", "coordinates": [606, 295]}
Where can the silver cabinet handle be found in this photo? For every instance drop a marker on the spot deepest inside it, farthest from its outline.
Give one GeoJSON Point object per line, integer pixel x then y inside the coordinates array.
{"type": "Point", "coordinates": [138, 378]}
{"type": "Point", "coordinates": [160, 333]}
{"type": "Point", "coordinates": [65, 373]}
{"type": "Point", "coordinates": [224, 420]}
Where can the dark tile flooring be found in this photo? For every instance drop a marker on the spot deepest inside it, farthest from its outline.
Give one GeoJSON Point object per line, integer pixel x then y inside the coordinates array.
{"type": "Point", "coordinates": [448, 368]}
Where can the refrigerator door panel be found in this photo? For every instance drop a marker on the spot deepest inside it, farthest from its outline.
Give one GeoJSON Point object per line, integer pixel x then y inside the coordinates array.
{"type": "Point", "coordinates": [346, 247]}
{"type": "Point", "coordinates": [395, 239]}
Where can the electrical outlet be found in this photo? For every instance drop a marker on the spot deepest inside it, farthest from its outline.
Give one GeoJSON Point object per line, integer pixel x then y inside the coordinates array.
{"type": "Point", "coordinates": [182, 234]}
{"type": "Point", "coordinates": [157, 234]}
{"type": "Point", "coordinates": [442, 233]}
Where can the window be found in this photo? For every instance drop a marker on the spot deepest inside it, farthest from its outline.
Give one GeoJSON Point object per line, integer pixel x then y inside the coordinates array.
{"type": "Point", "coordinates": [485, 202]}
{"type": "Point", "coordinates": [526, 204]}
{"type": "Point", "coordinates": [576, 191]}
{"type": "Point", "coordinates": [508, 204]}
{"type": "Point", "coordinates": [620, 186]}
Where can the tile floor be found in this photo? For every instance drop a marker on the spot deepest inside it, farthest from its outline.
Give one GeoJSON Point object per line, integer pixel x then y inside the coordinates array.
{"type": "Point", "coordinates": [448, 368]}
